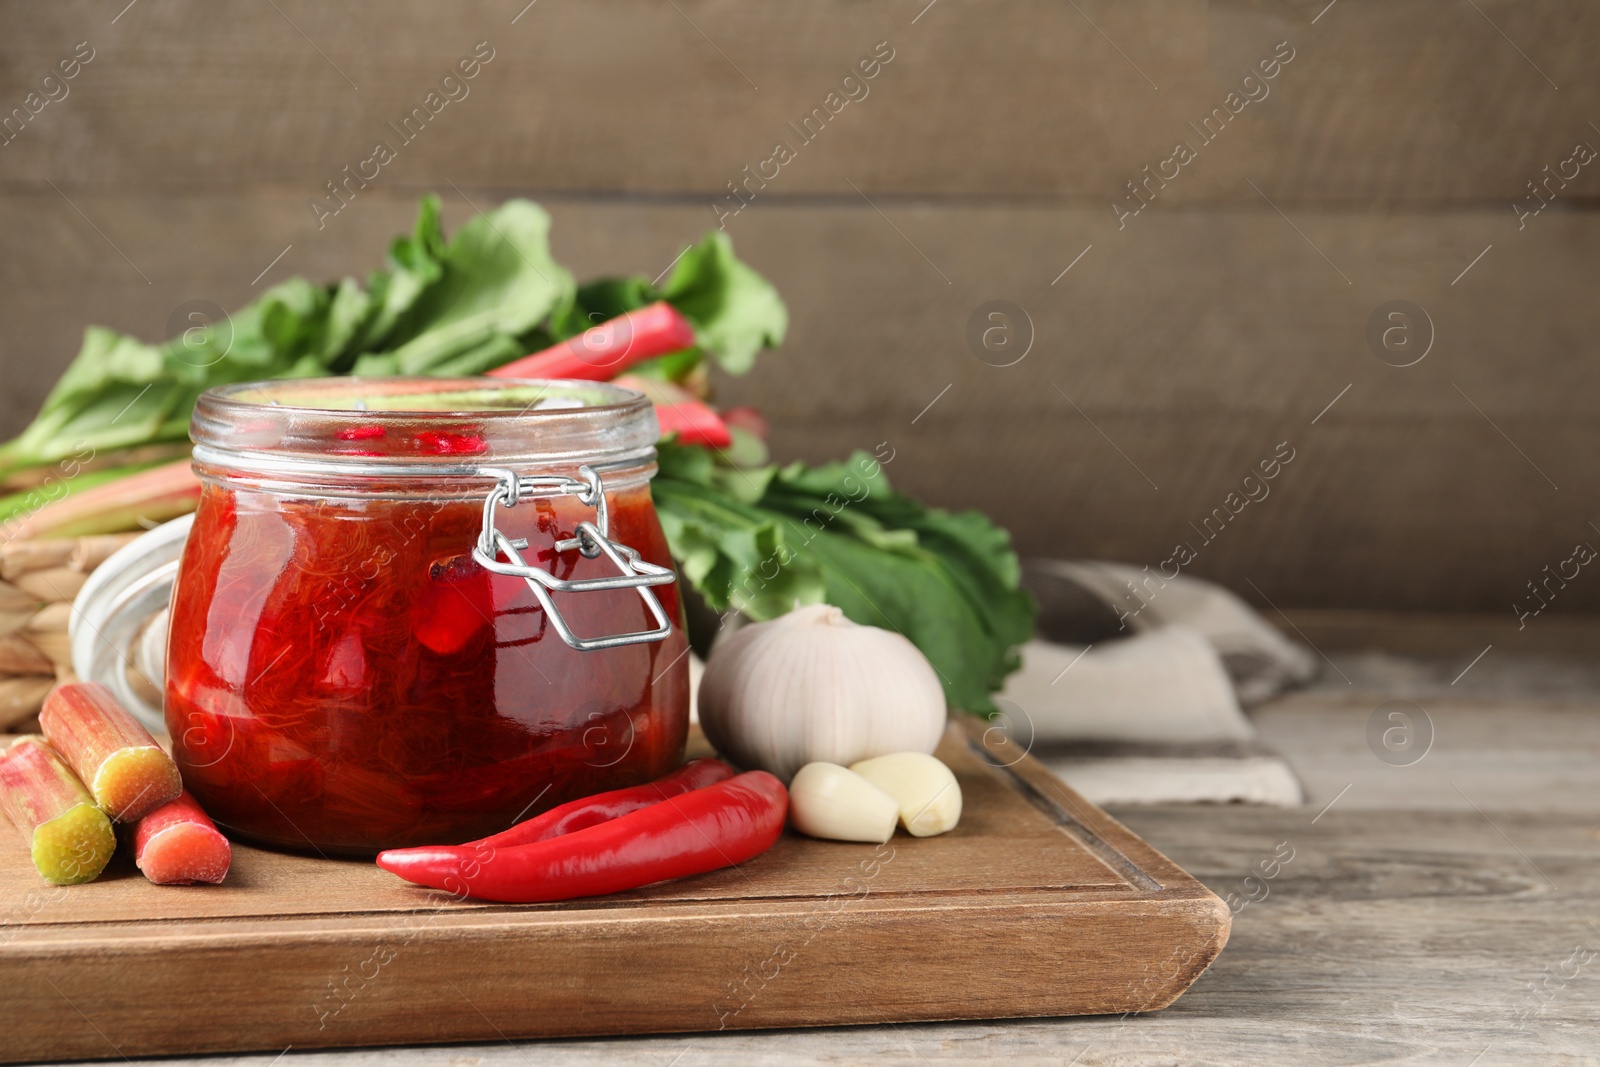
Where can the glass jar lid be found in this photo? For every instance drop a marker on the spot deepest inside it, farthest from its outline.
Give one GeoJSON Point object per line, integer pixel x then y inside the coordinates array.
{"type": "Point", "coordinates": [345, 433]}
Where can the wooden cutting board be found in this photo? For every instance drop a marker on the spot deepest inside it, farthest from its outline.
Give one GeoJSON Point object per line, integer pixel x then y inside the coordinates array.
{"type": "Point", "coordinates": [1037, 904]}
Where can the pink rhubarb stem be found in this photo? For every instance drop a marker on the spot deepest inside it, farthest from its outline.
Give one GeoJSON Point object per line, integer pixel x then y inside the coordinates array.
{"type": "Point", "coordinates": [155, 495]}
{"type": "Point", "coordinates": [602, 352]}
{"type": "Point", "coordinates": [693, 423]}
{"type": "Point", "coordinates": [681, 414]}
{"type": "Point", "coordinates": [128, 773]}
{"type": "Point", "coordinates": [178, 844]}
{"type": "Point", "coordinates": [71, 839]}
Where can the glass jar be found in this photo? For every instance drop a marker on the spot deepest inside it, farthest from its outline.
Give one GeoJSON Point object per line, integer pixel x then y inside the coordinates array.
{"type": "Point", "coordinates": [415, 611]}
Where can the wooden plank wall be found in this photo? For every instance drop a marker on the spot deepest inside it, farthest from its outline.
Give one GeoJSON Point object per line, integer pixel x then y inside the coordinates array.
{"type": "Point", "coordinates": [1183, 345]}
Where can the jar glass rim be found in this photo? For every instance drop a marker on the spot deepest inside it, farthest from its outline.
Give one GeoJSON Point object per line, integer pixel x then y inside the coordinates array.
{"type": "Point", "coordinates": [503, 421]}
{"type": "Point", "coordinates": [365, 399]}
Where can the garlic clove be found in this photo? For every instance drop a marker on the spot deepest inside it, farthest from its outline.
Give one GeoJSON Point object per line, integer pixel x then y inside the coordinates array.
{"type": "Point", "coordinates": [926, 792]}
{"type": "Point", "coordinates": [827, 800]}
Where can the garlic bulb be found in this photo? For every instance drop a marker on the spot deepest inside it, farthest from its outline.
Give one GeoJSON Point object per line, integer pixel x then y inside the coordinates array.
{"type": "Point", "coordinates": [826, 800]}
{"type": "Point", "coordinates": [813, 686]}
{"type": "Point", "coordinates": [926, 792]}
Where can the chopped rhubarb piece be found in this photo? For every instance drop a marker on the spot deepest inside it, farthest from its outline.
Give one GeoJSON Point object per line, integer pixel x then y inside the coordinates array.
{"type": "Point", "coordinates": [71, 839]}
{"type": "Point", "coordinates": [178, 844]}
{"type": "Point", "coordinates": [444, 443]}
{"type": "Point", "coordinates": [128, 773]}
{"type": "Point", "coordinates": [361, 433]}
{"type": "Point", "coordinates": [455, 605]}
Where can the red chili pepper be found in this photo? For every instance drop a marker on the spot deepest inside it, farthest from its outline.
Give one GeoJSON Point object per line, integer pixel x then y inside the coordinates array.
{"type": "Point", "coordinates": [602, 352]}
{"type": "Point", "coordinates": [703, 830]}
{"type": "Point", "coordinates": [603, 807]}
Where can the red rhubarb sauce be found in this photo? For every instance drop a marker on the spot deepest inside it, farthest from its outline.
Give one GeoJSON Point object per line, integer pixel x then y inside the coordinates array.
{"type": "Point", "coordinates": [344, 678]}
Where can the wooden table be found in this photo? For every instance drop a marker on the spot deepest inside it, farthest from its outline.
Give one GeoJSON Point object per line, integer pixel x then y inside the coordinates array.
{"type": "Point", "coordinates": [1445, 912]}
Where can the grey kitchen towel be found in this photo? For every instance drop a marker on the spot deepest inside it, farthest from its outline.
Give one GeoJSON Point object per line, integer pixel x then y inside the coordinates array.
{"type": "Point", "coordinates": [1134, 687]}
{"type": "Point", "coordinates": [1082, 602]}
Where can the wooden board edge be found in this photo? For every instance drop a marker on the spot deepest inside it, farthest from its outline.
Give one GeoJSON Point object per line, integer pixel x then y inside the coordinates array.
{"type": "Point", "coordinates": [510, 981]}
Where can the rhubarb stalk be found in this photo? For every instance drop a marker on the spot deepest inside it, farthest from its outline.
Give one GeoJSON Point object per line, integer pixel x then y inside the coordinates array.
{"type": "Point", "coordinates": [71, 839]}
{"type": "Point", "coordinates": [110, 501]}
{"type": "Point", "coordinates": [178, 844]}
{"type": "Point", "coordinates": [680, 414]}
{"type": "Point", "coordinates": [602, 352]}
{"type": "Point", "coordinates": [128, 773]}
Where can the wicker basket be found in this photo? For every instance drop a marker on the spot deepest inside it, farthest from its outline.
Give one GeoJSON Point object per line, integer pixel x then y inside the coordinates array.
{"type": "Point", "coordinates": [38, 581]}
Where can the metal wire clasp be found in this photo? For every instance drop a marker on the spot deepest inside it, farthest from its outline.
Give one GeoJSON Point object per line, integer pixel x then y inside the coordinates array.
{"type": "Point", "coordinates": [591, 539]}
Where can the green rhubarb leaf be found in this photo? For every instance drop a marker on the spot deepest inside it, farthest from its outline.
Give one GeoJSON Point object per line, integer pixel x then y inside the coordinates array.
{"type": "Point", "coordinates": [497, 280]}
{"type": "Point", "coordinates": [736, 312]}
{"type": "Point", "coordinates": [414, 265]}
{"type": "Point", "coordinates": [838, 533]}
{"type": "Point", "coordinates": [737, 556]}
